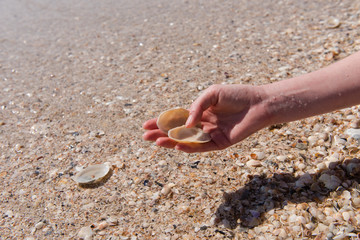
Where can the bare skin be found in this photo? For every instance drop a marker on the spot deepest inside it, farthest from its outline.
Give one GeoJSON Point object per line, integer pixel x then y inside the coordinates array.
{"type": "Point", "coordinates": [230, 113]}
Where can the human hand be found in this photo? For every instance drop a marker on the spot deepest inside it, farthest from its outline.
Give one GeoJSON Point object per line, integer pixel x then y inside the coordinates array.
{"type": "Point", "coordinates": [229, 113]}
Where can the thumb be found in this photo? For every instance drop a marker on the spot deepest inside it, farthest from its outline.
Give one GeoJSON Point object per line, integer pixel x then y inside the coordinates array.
{"type": "Point", "coordinates": [197, 108]}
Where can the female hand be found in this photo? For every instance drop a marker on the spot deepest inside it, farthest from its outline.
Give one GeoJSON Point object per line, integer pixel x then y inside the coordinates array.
{"type": "Point", "coordinates": [229, 113]}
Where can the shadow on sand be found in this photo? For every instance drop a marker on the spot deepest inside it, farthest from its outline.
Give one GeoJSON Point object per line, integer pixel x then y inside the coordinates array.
{"type": "Point", "coordinates": [246, 207]}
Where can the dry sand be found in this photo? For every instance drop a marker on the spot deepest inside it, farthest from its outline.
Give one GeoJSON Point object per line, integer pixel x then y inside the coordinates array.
{"type": "Point", "coordinates": [78, 79]}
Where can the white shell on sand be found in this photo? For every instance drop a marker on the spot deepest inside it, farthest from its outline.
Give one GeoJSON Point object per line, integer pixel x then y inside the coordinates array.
{"type": "Point", "coordinates": [173, 122]}
{"type": "Point", "coordinates": [172, 118]}
{"type": "Point", "coordinates": [189, 135]}
{"type": "Point", "coordinates": [92, 173]}
{"type": "Point", "coordinates": [354, 133]}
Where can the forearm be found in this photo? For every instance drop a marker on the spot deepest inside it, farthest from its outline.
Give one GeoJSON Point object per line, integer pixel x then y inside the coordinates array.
{"type": "Point", "coordinates": [334, 87]}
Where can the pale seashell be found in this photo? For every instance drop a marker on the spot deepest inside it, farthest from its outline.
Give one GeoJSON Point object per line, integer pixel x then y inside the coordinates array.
{"type": "Point", "coordinates": [92, 173]}
{"type": "Point", "coordinates": [312, 140]}
{"type": "Point", "coordinates": [341, 235]}
{"type": "Point", "coordinates": [323, 136]}
{"type": "Point", "coordinates": [189, 135]}
{"type": "Point", "coordinates": [339, 141]}
{"type": "Point", "coordinates": [346, 194]}
{"type": "Point", "coordinates": [85, 233]}
{"type": "Point", "coordinates": [276, 232]}
{"type": "Point", "coordinates": [253, 163]}
{"type": "Point", "coordinates": [356, 202]}
{"type": "Point", "coordinates": [301, 166]}
{"type": "Point", "coordinates": [258, 155]}
{"type": "Point", "coordinates": [328, 211]}
{"type": "Point", "coordinates": [354, 133]}
{"type": "Point", "coordinates": [296, 228]}
{"type": "Point", "coordinates": [293, 218]}
{"type": "Point", "coordinates": [310, 226]}
{"type": "Point", "coordinates": [172, 118]}
{"type": "Point", "coordinates": [281, 158]}
{"type": "Point", "coordinates": [112, 221]}
{"type": "Point", "coordinates": [283, 233]}
{"type": "Point", "coordinates": [346, 216]}
{"type": "Point", "coordinates": [333, 23]}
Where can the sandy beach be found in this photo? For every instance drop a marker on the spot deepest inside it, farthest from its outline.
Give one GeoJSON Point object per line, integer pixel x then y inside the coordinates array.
{"type": "Point", "coordinates": [78, 79]}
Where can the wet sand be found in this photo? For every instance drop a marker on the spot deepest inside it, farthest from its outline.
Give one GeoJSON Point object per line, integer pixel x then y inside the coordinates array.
{"type": "Point", "coordinates": [78, 79]}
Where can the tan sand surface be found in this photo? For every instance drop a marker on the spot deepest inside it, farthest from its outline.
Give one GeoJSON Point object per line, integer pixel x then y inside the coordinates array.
{"type": "Point", "coordinates": [78, 79]}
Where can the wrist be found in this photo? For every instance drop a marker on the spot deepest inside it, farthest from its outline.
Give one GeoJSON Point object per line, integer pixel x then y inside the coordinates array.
{"type": "Point", "coordinates": [264, 103]}
{"type": "Point", "coordinates": [280, 102]}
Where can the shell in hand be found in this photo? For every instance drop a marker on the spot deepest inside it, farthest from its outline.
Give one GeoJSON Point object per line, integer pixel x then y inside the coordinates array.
{"type": "Point", "coordinates": [91, 174]}
{"type": "Point", "coordinates": [172, 118]}
{"type": "Point", "coordinates": [173, 122]}
{"type": "Point", "coordinates": [189, 135]}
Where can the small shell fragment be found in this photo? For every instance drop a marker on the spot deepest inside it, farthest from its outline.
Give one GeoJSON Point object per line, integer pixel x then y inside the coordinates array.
{"type": "Point", "coordinates": [253, 163]}
{"type": "Point", "coordinates": [189, 135]}
{"type": "Point", "coordinates": [92, 174]}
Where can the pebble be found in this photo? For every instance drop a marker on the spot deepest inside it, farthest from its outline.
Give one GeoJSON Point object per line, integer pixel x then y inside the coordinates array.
{"type": "Point", "coordinates": [113, 221]}
{"type": "Point", "coordinates": [9, 213]}
{"type": "Point", "coordinates": [29, 238]}
{"type": "Point", "coordinates": [258, 155]}
{"type": "Point", "coordinates": [162, 163]}
{"type": "Point", "coordinates": [310, 226]}
{"type": "Point", "coordinates": [102, 225]}
{"type": "Point", "coordinates": [301, 166]}
{"type": "Point", "coordinates": [39, 225]}
{"type": "Point", "coordinates": [355, 124]}
{"type": "Point", "coordinates": [281, 158]}
{"type": "Point", "coordinates": [167, 189]}
{"type": "Point", "coordinates": [18, 147]}
{"type": "Point", "coordinates": [312, 140]}
{"type": "Point", "coordinates": [346, 216]}
{"type": "Point", "coordinates": [86, 233]}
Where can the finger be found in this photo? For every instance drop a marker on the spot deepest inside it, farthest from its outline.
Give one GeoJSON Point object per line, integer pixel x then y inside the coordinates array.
{"type": "Point", "coordinates": [150, 124]}
{"type": "Point", "coordinates": [196, 147]}
{"type": "Point", "coordinates": [166, 142]}
{"type": "Point", "coordinates": [153, 135]}
{"type": "Point", "coordinates": [207, 99]}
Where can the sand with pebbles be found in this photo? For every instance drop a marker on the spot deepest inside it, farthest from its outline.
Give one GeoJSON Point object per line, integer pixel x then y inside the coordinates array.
{"type": "Point", "coordinates": [78, 79]}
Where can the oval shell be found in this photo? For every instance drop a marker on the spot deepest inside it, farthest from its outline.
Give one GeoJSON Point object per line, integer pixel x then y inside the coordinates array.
{"type": "Point", "coordinates": [92, 173]}
{"type": "Point", "coordinates": [189, 135]}
{"type": "Point", "coordinates": [172, 118]}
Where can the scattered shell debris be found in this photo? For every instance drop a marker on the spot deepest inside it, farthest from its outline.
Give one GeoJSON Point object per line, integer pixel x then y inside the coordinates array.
{"type": "Point", "coordinates": [173, 122]}
{"type": "Point", "coordinates": [76, 86]}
